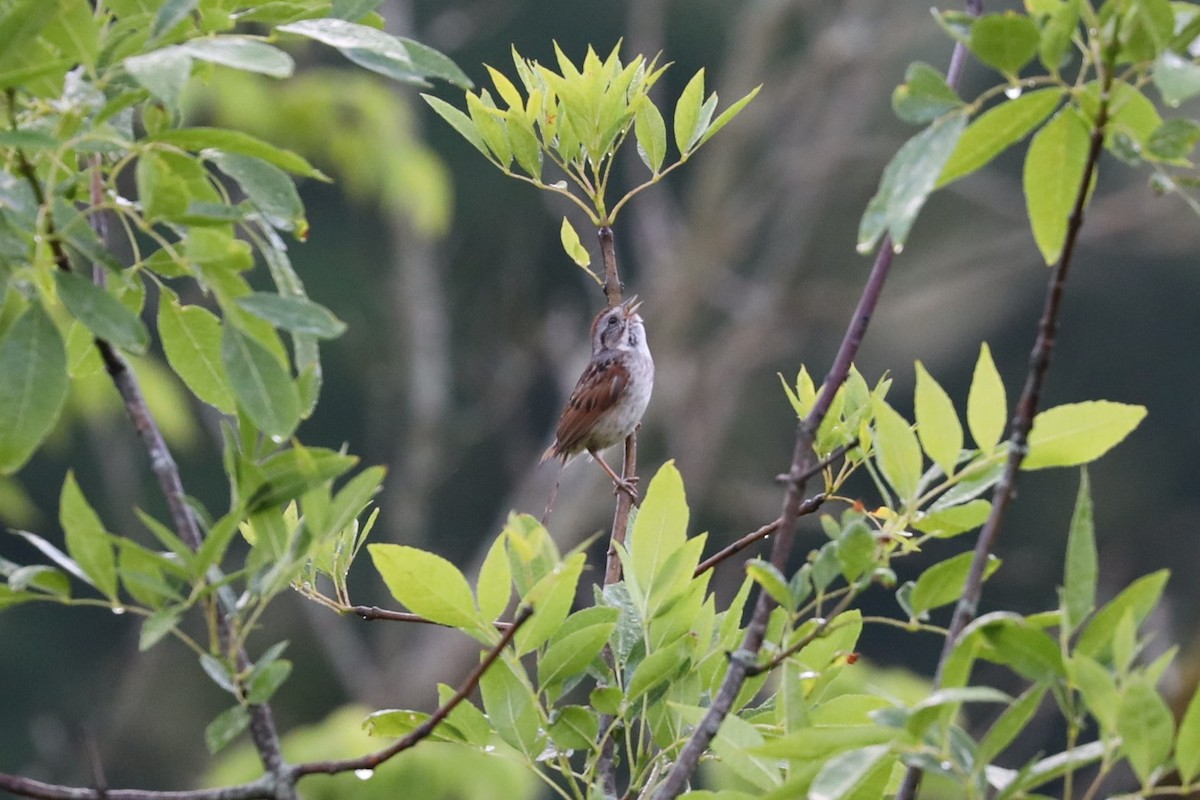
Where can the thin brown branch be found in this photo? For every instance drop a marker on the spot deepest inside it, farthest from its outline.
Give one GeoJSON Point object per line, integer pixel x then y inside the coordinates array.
{"type": "Point", "coordinates": [612, 567]}
{"type": "Point", "coordinates": [807, 507]}
{"type": "Point", "coordinates": [820, 629]}
{"type": "Point", "coordinates": [422, 731]}
{"type": "Point", "coordinates": [370, 613]}
{"type": "Point", "coordinates": [1022, 421]}
{"type": "Point", "coordinates": [27, 787]}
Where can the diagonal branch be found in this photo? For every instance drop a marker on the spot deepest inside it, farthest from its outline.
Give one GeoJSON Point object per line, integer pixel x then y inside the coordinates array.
{"type": "Point", "coordinates": [422, 731]}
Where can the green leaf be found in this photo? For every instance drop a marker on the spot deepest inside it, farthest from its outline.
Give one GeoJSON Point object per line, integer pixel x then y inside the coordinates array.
{"type": "Point", "coordinates": [952, 520]}
{"type": "Point", "coordinates": [493, 589]}
{"type": "Point", "coordinates": [268, 187]}
{"type": "Point", "coordinates": [1140, 598]}
{"type": "Point", "coordinates": [687, 113]}
{"type": "Point", "coordinates": [33, 362]}
{"type": "Point", "coordinates": [943, 582]}
{"type": "Point", "coordinates": [571, 244]}
{"type": "Point", "coordinates": [1177, 78]}
{"type": "Point", "coordinates": [996, 130]}
{"type": "Point", "coordinates": [841, 774]}
{"type": "Point", "coordinates": [370, 48]}
{"type": "Point", "coordinates": [1005, 41]}
{"type": "Point", "coordinates": [262, 387]}
{"type": "Point", "coordinates": [266, 679]}
{"type": "Point", "coordinates": [728, 114]}
{"type": "Point", "coordinates": [1187, 744]}
{"type": "Point", "coordinates": [897, 451]}
{"type": "Point", "coordinates": [295, 314]}
{"type": "Point", "coordinates": [510, 708]}
{"type": "Point", "coordinates": [568, 657]}
{"type": "Point", "coordinates": [907, 181]}
{"type": "Point", "coordinates": [1082, 566]}
{"type": "Point", "coordinates": [459, 121]}
{"type": "Point", "coordinates": [924, 96]}
{"type": "Point", "coordinates": [661, 525]}
{"type": "Point", "coordinates": [856, 551]}
{"type": "Point", "coordinates": [651, 133]}
{"type": "Point", "coordinates": [1028, 650]}
{"type": "Point", "coordinates": [987, 407]}
{"type": "Point", "coordinates": [1077, 433]}
{"type": "Point", "coordinates": [938, 427]}
{"type": "Point", "coordinates": [766, 575]}
{"type": "Point", "coordinates": [574, 728]}
{"type": "Point", "coordinates": [242, 52]}
{"type": "Point", "coordinates": [434, 64]}
{"type": "Point", "coordinates": [1054, 169]}
{"type": "Point", "coordinates": [170, 14]}
{"type": "Point", "coordinates": [156, 626]}
{"type": "Point", "coordinates": [225, 728]}
{"type": "Point", "coordinates": [23, 20]}
{"type": "Point", "coordinates": [102, 313]}
{"type": "Point", "coordinates": [1098, 688]}
{"type": "Point", "coordinates": [656, 669]}
{"type": "Point", "coordinates": [164, 73]}
{"type": "Point", "coordinates": [525, 146]}
{"type": "Point", "coordinates": [551, 598]}
{"type": "Point", "coordinates": [1009, 725]}
{"type": "Point", "coordinates": [1146, 728]}
{"type": "Point", "coordinates": [237, 142]}
{"type": "Point", "coordinates": [87, 540]}
{"type": "Point", "coordinates": [427, 584]}
{"type": "Point", "coordinates": [191, 339]}
{"type": "Point", "coordinates": [1174, 139]}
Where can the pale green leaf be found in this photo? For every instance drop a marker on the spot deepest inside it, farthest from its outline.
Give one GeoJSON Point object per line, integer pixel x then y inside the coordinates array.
{"type": "Point", "coordinates": [1005, 41]}
{"type": "Point", "coordinates": [996, 130]}
{"type": "Point", "coordinates": [1054, 169]}
{"type": "Point", "coordinates": [427, 584]}
{"type": "Point", "coordinates": [493, 588]}
{"type": "Point", "coordinates": [164, 73]}
{"type": "Point", "coordinates": [88, 543]}
{"type": "Point", "coordinates": [651, 133]}
{"type": "Point", "coordinates": [241, 52]}
{"type": "Point", "coordinates": [687, 113]}
{"type": "Point", "coordinates": [943, 582]}
{"type": "Point", "coordinates": [225, 728]}
{"type": "Point", "coordinates": [262, 386]}
{"type": "Point", "coordinates": [1077, 433]}
{"type": "Point", "coordinates": [1146, 727]}
{"type": "Point", "coordinates": [938, 427]}
{"type": "Point", "coordinates": [1187, 745]}
{"type": "Point", "coordinates": [237, 142]}
{"type": "Point", "coordinates": [191, 339]}
{"type": "Point", "coordinates": [841, 774]}
{"type": "Point", "coordinates": [571, 244]}
{"type": "Point", "coordinates": [661, 525]}
{"type": "Point", "coordinates": [897, 450]}
{"type": "Point", "coordinates": [1140, 598]}
{"type": "Point", "coordinates": [1082, 566]}
{"type": "Point", "coordinates": [987, 406]}
{"type": "Point", "coordinates": [33, 362]}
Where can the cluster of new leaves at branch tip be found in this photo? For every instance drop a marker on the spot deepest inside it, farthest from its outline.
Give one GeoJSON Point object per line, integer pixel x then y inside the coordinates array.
{"type": "Point", "coordinates": [577, 119]}
{"type": "Point", "coordinates": [1147, 41]}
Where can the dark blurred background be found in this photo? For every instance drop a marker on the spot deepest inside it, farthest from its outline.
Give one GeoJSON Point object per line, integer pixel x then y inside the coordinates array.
{"type": "Point", "coordinates": [467, 325]}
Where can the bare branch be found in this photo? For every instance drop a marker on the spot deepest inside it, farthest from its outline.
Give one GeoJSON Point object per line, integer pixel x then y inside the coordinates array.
{"type": "Point", "coordinates": [370, 613]}
{"type": "Point", "coordinates": [422, 731]}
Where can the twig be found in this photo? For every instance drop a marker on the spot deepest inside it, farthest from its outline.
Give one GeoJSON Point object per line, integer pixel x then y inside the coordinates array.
{"type": "Point", "coordinates": [370, 613]}
{"type": "Point", "coordinates": [612, 566]}
{"type": "Point", "coordinates": [27, 787]}
{"type": "Point", "coordinates": [373, 760]}
{"type": "Point", "coordinates": [1022, 421]}
{"type": "Point", "coordinates": [820, 629]}
{"type": "Point", "coordinates": [807, 507]}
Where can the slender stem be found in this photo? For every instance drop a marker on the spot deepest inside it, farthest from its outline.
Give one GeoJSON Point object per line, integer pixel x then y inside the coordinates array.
{"type": "Point", "coordinates": [807, 507]}
{"type": "Point", "coordinates": [375, 612]}
{"type": "Point", "coordinates": [1022, 421]}
{"type": "Point", "coordinates": [27, 787]}
{"type": "Point", "coordinates": [823, 626]}
{"type": "Point", "coordinates": [422, 731]}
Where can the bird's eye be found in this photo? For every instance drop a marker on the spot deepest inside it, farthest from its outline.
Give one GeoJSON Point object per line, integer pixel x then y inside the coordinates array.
{"type": "Point", "coordinates": [612, 321]}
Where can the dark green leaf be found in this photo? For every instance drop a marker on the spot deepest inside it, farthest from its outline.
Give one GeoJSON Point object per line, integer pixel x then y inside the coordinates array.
{"type": "Point", "coordinates": [261, 384]}
{"type": "Point", "coordinates": [1174, 139]}
{"type": "Point", "coordinates": [102, 313]}
{"type": "Point", "coordinates": [265, 679]}
{"type": "Point", "coordinates": [156, 626]}
{"type": "Point", "coordinates": [33, 362]}
{"type": "Point", "coordinates": [907, 181]}
{"type": "Point", "coordinates": [1140, 598]}
{"type": "Point", "coordinates": [268, 187]}
{"type": "Point", "coordinates": [1146, 727]}
{"type": "Point", "coordinates": [242, 52]}
{"type": "Point", "coordinates": [943, 582]}
{"type": "Point", "coordinates": [163, 73]}
{"type": "Point", "coordinates": [237, 142]}
{"type": "Point", "coordinates": [170, 14]}
{"type": "Point", "coordinates": [433, 64]}
{"type": "Point", "coordinates": [225, 728]}
{"type": "Point", "coordinates": [295, 314]}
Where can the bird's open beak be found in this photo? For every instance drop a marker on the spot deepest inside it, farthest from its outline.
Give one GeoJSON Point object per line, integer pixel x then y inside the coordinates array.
{"type": "Point", "coordinates": [632, 305]}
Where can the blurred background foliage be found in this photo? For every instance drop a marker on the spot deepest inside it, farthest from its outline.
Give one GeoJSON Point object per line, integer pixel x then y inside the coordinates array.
{"type": "Point", "coordinates": [467, 325]}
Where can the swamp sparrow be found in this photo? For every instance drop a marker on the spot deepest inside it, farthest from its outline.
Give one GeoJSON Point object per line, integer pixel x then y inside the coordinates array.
{"type": "Point", "coordinates": [612, 393]}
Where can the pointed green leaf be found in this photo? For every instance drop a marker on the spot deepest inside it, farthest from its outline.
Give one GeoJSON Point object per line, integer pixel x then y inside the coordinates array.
{"type": "Point", "coordinates": [572, 245]}
{"type": "Point", "coordinates": [156, 626]}
{"type": "Point", "coordinates": [191, 339]}
{"type": "Point", "coordinates": [241, 52]}
{"type": "Point", "coordinates": [841, 774]}
{"type": "Point", "coordinates": [937, 422]}
{"type": "Point", "coordinates": [170, 14]}
{"type": "Point", "coordinates": [87, 541]}
{"type": "Point", "coordinates": [1187, 745]}
{"type": "Point", "coordinates": [943, 582]}
{"type": "Point", "coordinates": [897, 451]}
{"type": "Point", "coordinates": [1010, 725]}
{"type": "Point", "coordinates": [493, 589]}
{"type": "Point", "coordinates": [651, 134]}
{"type": "Point", "coordinates": [687, 113]}
{"type": "Point", "coordinates": [263, 388]}
{"type": "Point", "coordinates": [237, 142]}
{"type": "Point", "coordinates": [1177, 78]}
{"type": "Point", "coordinates": [996, 130]}
{"type": "Point", "coordinates": [551, 598]}
{"type": "Point", "coordinates": [225, 728]}
{"type": "Point", "coordinates": [459, 121]}
{"type": "Point", "coordinates": [102, 313]}
{"type": "Point", "coordinates": [427, 584]}
{"type": "Point", "coordinates": [924, 96]}
{"type": "Point", "coordinates": [568, 657]}
{"type": "Point", "coordinates": [1054, 168]}
{"type": "Point", "coordinates": [728, 114]}
{"type": "Point", "coordinates": [510, 708]}
{"type": "Point", "coordinates": [1079, 580]}
{"type": "Point", "coordinates": [1139, 598]}
{"type": "Point", "coordinates": [295, 314]}
{"type": "Point", "coordinates": [1077, 433]}
{"type": "Point", "coordinates": [907, 181]}
{"type": "Point", "coordinates": [661, 525]}
{"type": "Point", "coordinates": [164, 73]}
{"type": "Point", "coordinates": [987, 407]}
{"type": "Point", "coordinates": [268, 187]}
{"type": "Point", "coordinates": [1146, 727]}
{"type": "Point", "coordinates": [33, 362]}
{"type": "Point", "coordinates": [765, 574]}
